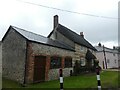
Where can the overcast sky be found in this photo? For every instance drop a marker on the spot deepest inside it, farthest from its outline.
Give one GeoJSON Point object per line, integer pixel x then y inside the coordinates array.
{"type": "Point", "coordinates": [40, 19]}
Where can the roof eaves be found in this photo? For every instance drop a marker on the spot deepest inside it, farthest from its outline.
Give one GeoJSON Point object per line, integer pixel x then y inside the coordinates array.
{"type": "Point", "coordinates": [51, 45]}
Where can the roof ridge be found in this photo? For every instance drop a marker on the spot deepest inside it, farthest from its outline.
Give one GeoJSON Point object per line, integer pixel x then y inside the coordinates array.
{"type": "Point", "coordinates": [70, 30]}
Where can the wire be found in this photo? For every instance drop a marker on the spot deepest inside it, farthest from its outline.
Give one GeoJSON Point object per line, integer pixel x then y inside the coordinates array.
{"type": "Point", "coordinates": [92, 15]}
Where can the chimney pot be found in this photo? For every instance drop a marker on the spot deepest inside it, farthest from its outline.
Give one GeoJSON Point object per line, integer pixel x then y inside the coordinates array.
{"type": "Point", "coordinates": [99, 44]}
{"type": "Point", "coordinates": [81, 34]}
{"type": "Point", "coordinates": [55, 21]}
{"type": "Point", "coordinates": [113, 47]}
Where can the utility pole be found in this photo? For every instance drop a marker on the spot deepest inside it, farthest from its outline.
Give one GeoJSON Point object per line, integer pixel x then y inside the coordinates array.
{"type": "Point", "coordinates": [105, 56]}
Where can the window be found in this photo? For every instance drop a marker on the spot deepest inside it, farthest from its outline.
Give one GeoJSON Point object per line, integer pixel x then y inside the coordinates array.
{"type": "Point", "coordinates": [115, 61]}
{"type": "Point", "coordinates": [55, 62]}
{"type": "Point", "coordinates": [113, 54]}
{"type": "Point", "coordinates": [92, 62]}
{"type": "Point", "coordinates": [68, 62]}
{"type": "Point", "coordinates": [81, 48]}
{"type": "Point", "coordinates": [108, 61]}
{"type": "Point", "coordinates": [82, 61]}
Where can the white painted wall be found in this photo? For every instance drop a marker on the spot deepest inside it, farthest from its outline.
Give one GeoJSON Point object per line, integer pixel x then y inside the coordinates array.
{"type": "Point", "coordinates": [113, 60]}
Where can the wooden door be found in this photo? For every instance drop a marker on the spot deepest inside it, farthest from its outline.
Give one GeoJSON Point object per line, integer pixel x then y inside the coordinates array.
{"type": "Point", "coordinates": [39, 68]}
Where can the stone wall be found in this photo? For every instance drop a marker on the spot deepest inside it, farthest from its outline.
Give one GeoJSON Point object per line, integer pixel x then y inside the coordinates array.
{"type": "Point", "coordinates": [14, 56]}
{"type": "Point", "coordinates": [78, 54]}
{"type": "Point", "coordinates": [48, 51]}
{"type": "Point", "coordinates": [54, 73]}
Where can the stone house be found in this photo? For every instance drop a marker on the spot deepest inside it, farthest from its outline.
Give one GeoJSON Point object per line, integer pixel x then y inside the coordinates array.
{"type": "Point", "coordinates": [72, 39]}
{"type": "Point", "coordinates": [31, 58]}
{"type": "Point", "coordinates": [108, 58]}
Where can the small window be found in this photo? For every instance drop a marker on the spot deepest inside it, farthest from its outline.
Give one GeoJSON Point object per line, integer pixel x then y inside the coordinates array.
{"type": "Point", "coordinates": [92, 62]}
{"type": "Point", "coordinates": [113, 54]}
{"type": "Point", "coordinates": [108, 61]}
{"type": "Point", "coordinates": [68, 62]}
{"type": "Point", "coordinates": [82, 61]}
{"type": "Point", "coordinates": [115, 61]}
{"type": "Point", "coordinates": [81, 48]}
{"type": "Point", "coordinates": [55, 62]}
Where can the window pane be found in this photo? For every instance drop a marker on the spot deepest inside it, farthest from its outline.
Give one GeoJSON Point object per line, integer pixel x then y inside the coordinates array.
{"type": "Point", "coordinates": [68, 62]}
{"type": "Point", "coordinates": [108, 61]}
{"type": "Point", "coordinates": [82, 48]}
{"type": "Point", "coordinates": [55, 62]}
{"type": "Point", "coordinates": [82, 61]}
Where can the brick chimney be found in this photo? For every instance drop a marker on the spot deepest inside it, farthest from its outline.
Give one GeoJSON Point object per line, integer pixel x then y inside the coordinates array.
{"type": "Point", "coordinates": [81, 34]}
{"type": "Point", "coordinates": [55, 22]}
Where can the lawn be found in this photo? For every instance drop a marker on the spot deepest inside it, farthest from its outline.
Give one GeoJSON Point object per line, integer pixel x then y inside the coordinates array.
{"type": "Point", "coordinates": [109, 79]}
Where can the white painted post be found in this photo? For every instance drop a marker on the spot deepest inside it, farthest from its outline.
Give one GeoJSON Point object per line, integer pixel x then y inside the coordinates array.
{"type": "Point", "coordinates": [98, 78]}
{"type": "Point", "coordinates": [61, 79]}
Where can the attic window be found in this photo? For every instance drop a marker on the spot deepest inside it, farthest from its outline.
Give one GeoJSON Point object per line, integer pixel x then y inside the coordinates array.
{"type": "Point", "coordinates": [82, 49]}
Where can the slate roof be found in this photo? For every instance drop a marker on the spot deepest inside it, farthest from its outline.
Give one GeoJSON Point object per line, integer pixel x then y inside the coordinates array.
{"type": "Point", "coordinates": [100, 49]}
{"type": "Point", "coordinates": [41, 39]}
{"type": "Point", "coordinates": [73, 36]}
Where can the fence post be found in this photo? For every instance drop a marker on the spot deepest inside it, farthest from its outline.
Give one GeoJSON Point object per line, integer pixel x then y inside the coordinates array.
{"type": "Point", "coordinates": [98, 77]}
{"type": "Point", "coordinates": [61, 79]}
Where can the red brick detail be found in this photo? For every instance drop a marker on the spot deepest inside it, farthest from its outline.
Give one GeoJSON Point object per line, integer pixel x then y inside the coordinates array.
{"type": "Point", "coordinates": [47, 68]}
{"type": "Point", "coordinates": [30, 64]}
{"type": "Point", "coordinates": [62, 63]}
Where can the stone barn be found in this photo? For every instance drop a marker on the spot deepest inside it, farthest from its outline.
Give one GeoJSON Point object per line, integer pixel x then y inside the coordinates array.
{"type": "Point", "coordinates": [31, 58]}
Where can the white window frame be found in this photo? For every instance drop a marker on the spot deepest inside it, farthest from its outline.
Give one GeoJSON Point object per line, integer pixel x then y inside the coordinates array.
{"type": "Point", "coordinates": [82, 61]}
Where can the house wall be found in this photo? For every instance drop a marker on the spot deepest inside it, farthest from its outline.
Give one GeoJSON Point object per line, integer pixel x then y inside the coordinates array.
{"type": "Point", "coordinates": [80, 53]}
{"type": "Point", "coordinates": [119, 60]}
{"type": "Point", "coordinates": [110, 57]}
{"type": "Point", "coordinates": [36, 49]}
{"type": "Point", "coordinates": [14, 56]}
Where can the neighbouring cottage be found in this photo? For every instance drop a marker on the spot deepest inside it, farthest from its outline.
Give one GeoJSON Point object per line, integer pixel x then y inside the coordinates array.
{"type": "Point", "coordinates": [29, 58]}
{"type": "Point", "coordinates": [108, 58]}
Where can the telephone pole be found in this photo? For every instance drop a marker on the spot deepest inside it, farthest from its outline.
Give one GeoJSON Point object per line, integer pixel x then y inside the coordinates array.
{"type": "Point", "coordinates": [105, 56]}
